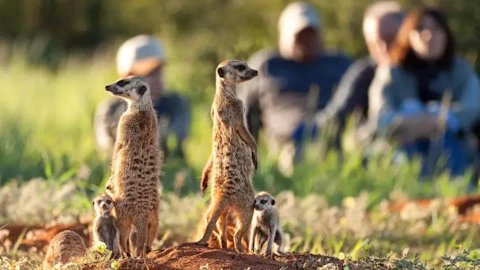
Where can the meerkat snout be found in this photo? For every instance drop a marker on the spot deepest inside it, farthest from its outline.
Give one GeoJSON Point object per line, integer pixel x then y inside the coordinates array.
{"type": "Point", "coordinates": [234, 71]}
{"type": "Point", "coordinates": [132, 88]}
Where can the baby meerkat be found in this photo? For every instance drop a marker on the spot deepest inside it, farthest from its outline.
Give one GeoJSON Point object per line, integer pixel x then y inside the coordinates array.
{"type": "Point", "coordinates": [104, 228]}
{"type": "Point", "coordinates": [66, 246]}
{"type": "Point", "coordinates": [233, 160]}
{"type": "Point", "coordinates": [265, 225]}
{"type": "Point", "coordinates": [137, 159]}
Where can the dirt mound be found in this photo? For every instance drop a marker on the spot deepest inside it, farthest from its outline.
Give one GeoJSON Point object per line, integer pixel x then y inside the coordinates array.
{"type": "Point", "coordinates": [190, 256]}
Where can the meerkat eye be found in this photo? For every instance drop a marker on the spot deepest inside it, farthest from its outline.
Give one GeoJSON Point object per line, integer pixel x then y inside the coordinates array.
{"type": "Point", "coordinates": [109, 202]}
{"type": "Point", "coordinates": [263, 201]}
{"type": "Point", "coordinates": [142, 90]}
{"type": "Point", "coordinates": [122, 83]}
{"type": "Point", "coordinates": [241, 68]}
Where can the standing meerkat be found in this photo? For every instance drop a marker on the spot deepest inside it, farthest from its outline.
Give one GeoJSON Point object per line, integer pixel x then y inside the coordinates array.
{"type": "Point", "coordinates": [134, 182]}
{"type": "Point", "coordinates": [234, 154]}
{"type": "Point", "coordinates": [66, 246]}
{"type": "Point", "coordinates": [104, 228]}
{"type": "Point", "coordinates": [265, 225]}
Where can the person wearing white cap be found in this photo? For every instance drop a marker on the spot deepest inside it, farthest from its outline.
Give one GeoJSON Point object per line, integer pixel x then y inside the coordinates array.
{"type": "Point", "coordinates": [143, 55]}
{"type": "Point", "coordinates": [277, 101]}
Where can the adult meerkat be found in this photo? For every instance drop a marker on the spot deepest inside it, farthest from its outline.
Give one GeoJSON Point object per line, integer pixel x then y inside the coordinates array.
{"type": "Point", "coordinates": [134, 182]}
{"type": "Point", "coordinates": [66, 246]}
{"type": "Point", "coordinates": [234, 154]}
{"type": "Point", "coordinates": [265, 225]}
{"type": "Point", "coordinates": [104, 228]}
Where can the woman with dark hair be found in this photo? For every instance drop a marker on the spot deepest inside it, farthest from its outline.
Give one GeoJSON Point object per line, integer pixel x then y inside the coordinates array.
{"type": "Point", "coordinates": [407, 96]}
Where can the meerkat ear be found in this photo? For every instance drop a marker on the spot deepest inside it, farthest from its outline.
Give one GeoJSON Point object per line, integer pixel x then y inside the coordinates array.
{"type": "Point", "coordinates": [142, 90]}
{"type": "Point", "coordinates": [273, 201]}
{"type": "Point", "coordinates": [220, 72]}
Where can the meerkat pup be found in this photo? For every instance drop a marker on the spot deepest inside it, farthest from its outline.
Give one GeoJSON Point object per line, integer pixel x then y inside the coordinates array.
{"type": "Point", "coordinates": [104, 228]}
{"type": "Point", "coordinates": [66, 246]}
{"type": "Point", "coordinates": [233, 160]}
{"type": "Point", "coordinates": [265, 225]}
{"type": "Point", "coordinates": [137, 159]}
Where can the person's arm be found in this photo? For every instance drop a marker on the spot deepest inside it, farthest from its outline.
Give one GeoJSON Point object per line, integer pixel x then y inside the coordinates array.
{"type": "Point", "coordinates": [105, 123]}
{"type": "Point", "coordinates": [394, 105]}
{"type": "Point", "coordinates": [352, 93]}
{"type": "Point", "coordinates": [249, 92]}
{"type": "Point", "coordinates": [465, 109]}
{"type": "Point", "coordinates": [250, 99]}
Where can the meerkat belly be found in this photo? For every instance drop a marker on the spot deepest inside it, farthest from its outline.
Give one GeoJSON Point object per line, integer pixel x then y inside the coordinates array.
{"type": "Point", "coordinates": [139, 178]}
{"type": "Point", "coordinates": [233, 163]}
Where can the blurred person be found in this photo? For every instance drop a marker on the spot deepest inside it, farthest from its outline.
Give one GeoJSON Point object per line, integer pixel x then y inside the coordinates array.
{"type": "Point", "coordinates": [406, 96]}
{"type": "Point", "coordinates": [381, 22]}
{"type": "Point", "coordinates": [278, 101]}
{"type": "Point", "coordinates": [144, 56]}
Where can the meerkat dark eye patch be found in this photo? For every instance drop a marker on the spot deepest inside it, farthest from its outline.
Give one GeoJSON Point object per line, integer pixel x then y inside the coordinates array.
{"type": "Point", "coordinates": [263, 201]}
{"type": "Point", "coordinates": [142, 90]}
{"type": "Point", "coordinates": [109, 202]}
{"type": "Point", "coordinates": [240, 67]}
{"type": "Point", "coordinates": [221, 72]}
{"type": "Point", "coordinates": [122, 83]}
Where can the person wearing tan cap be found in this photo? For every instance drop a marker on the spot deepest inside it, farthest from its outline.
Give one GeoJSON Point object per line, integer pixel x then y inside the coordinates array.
{"type": "Point", "coordinates": [144, 56]}
{"type": "Point", "coordinates": [278, 101]}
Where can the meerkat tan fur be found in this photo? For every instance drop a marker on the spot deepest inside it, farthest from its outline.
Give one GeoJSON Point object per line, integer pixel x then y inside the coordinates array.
{"type": "Point", "coordinates": [66, 246]}
{"type": "Point", "coordinates": [104, 228]}
{"type": "Point", "coordinates": [265, 225]}
{"type": "Point", "coordinates": [136, 163]}
{"type": "Point", "coordinates": [233, 160]}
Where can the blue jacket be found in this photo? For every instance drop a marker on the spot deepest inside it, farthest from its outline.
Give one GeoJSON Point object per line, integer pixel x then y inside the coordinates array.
{"type": "Point", "coordinates": [394, 92]}
{"type": "Point", "coordinates": [280, 92]}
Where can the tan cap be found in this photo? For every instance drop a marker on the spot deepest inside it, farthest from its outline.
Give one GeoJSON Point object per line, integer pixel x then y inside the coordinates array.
{"type": "Point", "coordinates": [139, 55]}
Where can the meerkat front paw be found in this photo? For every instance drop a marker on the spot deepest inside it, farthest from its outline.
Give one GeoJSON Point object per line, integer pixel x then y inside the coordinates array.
{"type": "Point", "coordinates": [255, 159]}
{"type": "Point", "coordinates": [204, 183]}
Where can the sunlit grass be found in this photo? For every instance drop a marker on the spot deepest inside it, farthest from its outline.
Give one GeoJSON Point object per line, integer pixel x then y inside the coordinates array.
{"type": "Point", "coordinates": [46, 122]}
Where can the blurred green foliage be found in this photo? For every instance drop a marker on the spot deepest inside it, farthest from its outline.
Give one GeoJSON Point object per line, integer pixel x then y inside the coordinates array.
{"type": "Point", "coordinates": [56, 56]}
{"type": "Point", "coordinates": [201, 31]}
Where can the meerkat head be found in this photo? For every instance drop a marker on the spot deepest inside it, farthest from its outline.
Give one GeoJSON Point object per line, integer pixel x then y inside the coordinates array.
{"type": "Point", "coordinates": [133, 88]}
{"type": "Point", "coordinates": [263, 201]}
{"type": "Point", "coordinates": [103, 204]}
{"type": "Point", "coordinates": [234, 72]}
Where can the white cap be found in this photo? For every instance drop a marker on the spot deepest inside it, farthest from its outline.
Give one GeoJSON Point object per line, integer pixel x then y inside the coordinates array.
{"type": "Point", "coordinates": [297, 16]}
{"type": "Point", "coordinates": [139, 55]}
{"type": "Point", "coordinates": [294, 18]}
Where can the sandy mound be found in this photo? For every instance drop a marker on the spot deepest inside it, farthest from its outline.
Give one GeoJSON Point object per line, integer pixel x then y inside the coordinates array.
{"type": "Point", "coordinates": [190, 256]}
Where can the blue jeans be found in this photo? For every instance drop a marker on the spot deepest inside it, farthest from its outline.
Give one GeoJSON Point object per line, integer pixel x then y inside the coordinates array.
{"type": "Point", "coordinates": [298, 137]}
{"type": "Point", "coordinates": [453, 149]}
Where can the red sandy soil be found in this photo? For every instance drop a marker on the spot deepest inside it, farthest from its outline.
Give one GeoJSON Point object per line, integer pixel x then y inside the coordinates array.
{"type": "Point", "coordinates": [185, 256]}
{"type": "Point", "coordinates": [39, 236]}
{"type": "Point", "coordinates": [189, 256]}
{"type": "Point", "coordinates": [463, 204]}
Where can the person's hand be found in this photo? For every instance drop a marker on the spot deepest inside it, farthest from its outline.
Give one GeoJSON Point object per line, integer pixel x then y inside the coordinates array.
{"type": "Point", "coordinates": [411, 128]}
